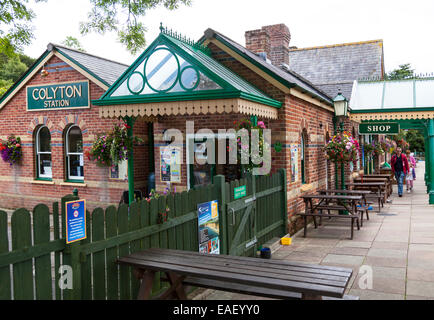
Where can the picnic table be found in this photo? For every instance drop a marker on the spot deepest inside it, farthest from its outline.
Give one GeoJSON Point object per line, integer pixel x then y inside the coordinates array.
{"type": "Point", "coordinates": [331, 202]}
{"type": "Point", "coordinates": [273, 278]}
{"type": "Point", "coordinates": [378, 190]}
{"type": "Point", "coordinates": [371, 178]}
{"type": "Point", "coordinates": [364, 206]}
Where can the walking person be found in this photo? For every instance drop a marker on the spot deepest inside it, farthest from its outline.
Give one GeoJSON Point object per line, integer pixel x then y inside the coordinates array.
{"type": "Point", "coordinates": [400, 168]}
{"type": "Point", "coordinates": [411, 174]}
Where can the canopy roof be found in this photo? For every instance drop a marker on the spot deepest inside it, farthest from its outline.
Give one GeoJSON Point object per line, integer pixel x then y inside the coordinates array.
{"type": "Point", "coordinates": [177, 76]}
{"type": "Point", "coordinates": [398, 99]}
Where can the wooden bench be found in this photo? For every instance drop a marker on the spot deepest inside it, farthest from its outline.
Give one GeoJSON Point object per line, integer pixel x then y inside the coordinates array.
{"type": "Point", "coordinates": [340, 202]}
{"type": "Point", "coordinates": [270, 277]}
{"type": "Point", "coordinates": [251, 290]}
{"type": "Point", "coordinates": [320, 215]}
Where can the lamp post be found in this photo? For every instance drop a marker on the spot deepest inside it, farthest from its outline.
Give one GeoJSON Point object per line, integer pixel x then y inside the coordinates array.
{"type": "Point", "coordinates": [341, 109]}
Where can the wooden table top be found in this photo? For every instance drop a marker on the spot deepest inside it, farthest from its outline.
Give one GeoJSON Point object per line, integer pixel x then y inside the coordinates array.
{"type": "Point", "coordinates": [345, 191]}
{"type": "Point", "coordinates": [367, 184]}
{"type": "Point", "coordinates": [267, 273]}
{"type": "Point", "coordinates": [336, 196]}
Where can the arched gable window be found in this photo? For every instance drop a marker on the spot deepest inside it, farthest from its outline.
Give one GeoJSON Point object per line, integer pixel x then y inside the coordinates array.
{"type": "Point", "coordinates": [74, 154]}
{"type": "Point", "coordinates": [43, 153]}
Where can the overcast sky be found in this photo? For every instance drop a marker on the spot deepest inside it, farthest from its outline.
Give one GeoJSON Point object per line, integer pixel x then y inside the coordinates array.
{"type": "Point", "coordinates": [406, 27]}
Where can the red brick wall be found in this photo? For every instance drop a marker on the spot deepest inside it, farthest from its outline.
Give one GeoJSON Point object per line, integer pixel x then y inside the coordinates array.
{"type": "Point", "coordinates": [18, 188]}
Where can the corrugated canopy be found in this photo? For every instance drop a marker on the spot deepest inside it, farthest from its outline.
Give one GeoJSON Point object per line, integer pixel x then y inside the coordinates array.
{"type": "Point", "coordinates": [177, 76]}
{"type": "Point", "coordinates": [398, 99]}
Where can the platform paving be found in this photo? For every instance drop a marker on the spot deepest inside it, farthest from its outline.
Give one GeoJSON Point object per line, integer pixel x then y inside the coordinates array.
{"type": "Point", "coordinates": [395, 246]}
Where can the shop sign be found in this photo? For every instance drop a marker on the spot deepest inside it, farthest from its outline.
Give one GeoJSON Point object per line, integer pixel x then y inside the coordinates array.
{"type": "Point", "coordinates": [58, 96]}
{"type": "Point", "coordinates": [379, 128]}
{"type": "Point", "coordinates": [208, 222]}
{"type": "Point", "coordinates": [75, 220]}
{"type": "Point", "coordinates": [240, 192]}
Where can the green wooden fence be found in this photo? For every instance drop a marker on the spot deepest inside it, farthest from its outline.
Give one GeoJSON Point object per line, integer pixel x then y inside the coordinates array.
{"type": "Point", "coordinates": [33, 249]}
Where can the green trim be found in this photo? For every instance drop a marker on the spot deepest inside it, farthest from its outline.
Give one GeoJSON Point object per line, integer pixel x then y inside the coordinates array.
{"type": "Point", "coordinates": [245, 90]}
{"type": "Point", "coordinates": [393, 110]}
{"type": "Point", "coordinates": [166, 97]}
{"type": "Point", "coordinates": [270, 72]}
{"type": "Point", "coordinates": [43, 179]}
{"type": "Point", "coordinates": [74, 181]}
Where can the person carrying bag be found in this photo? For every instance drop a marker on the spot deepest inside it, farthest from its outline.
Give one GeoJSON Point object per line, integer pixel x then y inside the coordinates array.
{"type": "Point", "coordinates": [400, 168]}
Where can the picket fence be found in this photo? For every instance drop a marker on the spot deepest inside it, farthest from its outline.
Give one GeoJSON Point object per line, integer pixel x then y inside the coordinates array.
{"type": "Point", "coordinates": [36, 263]}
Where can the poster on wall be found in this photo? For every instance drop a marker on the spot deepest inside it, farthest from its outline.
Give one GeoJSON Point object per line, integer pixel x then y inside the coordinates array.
{"type": "Point", "coordinates": [170, 164]}
{"type": "Point", "coordinates": [209, 231]}
{"type": "Point", "coordinates": [294, 162]}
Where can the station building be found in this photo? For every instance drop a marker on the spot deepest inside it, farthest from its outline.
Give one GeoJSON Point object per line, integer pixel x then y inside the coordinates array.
{"type": "Point", "coordinates": [68, 97]}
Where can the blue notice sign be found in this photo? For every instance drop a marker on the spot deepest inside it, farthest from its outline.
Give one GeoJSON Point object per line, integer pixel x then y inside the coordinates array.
{"type": "Point", "coordinates": [208, 221]}
{"type": "Point", "coordinates": [75, 220]}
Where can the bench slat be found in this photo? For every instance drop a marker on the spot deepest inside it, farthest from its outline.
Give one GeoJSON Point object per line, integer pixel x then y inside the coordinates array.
{"type": "Point", "coordinates": [253, 271]}
{"type": "Point", "coordinates": [261, 281]}
{"type": "Point", "coordinates": [279, 270]}
{"type": "Point", "coordinates": [284, 263]}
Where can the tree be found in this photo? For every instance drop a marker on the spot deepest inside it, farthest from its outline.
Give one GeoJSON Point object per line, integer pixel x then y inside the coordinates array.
{"type": "Point", "coordinates": [15, 28]}
{"type": "Point", "coordinates": [4, 86]}
{"type": "Point", "coordinates": [120, 16]}
{"type": "Point", "coordinates": [416, 140]}
{"type": "Point", "coordinates": [12, 69]}
{"type": "Point", "coordinates": [73, 43]}
{"type": "Point", "coordinates": [404, 71]}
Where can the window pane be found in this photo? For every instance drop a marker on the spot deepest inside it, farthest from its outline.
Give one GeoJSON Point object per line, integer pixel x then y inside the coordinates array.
{"type": "Point", "coordinates": [44, 165]}
{"type": "Point", "coordinates": [44, 140]}
{"type": "Point", "coordinates": [76, 166]}
{"type": "Point", "coordinates": [75, 140]}
{"type": "Point", "coordinates": [161, 69]}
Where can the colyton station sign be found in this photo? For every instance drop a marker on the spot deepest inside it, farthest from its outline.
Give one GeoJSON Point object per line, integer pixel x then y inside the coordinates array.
{"type": "Point", "coordinates": [58, 96]}
{"type": "Point", "coordinates": [379, 128]}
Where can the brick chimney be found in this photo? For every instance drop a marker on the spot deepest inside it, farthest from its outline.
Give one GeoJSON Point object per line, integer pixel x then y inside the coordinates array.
{"type": "Point", "coordinates": [273, 40]}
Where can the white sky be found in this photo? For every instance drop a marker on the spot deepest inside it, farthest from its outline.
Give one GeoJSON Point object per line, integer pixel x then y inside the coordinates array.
{"type": "Point", "coordinates": [406, 27]}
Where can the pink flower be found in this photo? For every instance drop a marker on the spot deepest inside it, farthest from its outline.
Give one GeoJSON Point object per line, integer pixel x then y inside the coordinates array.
{"type": "Point", "coordinates": [261, 124]}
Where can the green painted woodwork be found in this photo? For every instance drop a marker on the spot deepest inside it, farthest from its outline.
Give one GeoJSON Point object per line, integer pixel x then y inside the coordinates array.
{"type": "Point", "coordinates": [115, 232]}
{"type": "Point", "coordinates": [224, 83]}
{"type": "Point", "coordinates": [130, 123]}
{"type": "Point", "coordinates": [22, 271]}
{"type": "Point", "coordinates": [41, 231]}
{"type": "Point", "coordinates": [431, 159]}
{"type": "Point", "coordinates": [5, 279]}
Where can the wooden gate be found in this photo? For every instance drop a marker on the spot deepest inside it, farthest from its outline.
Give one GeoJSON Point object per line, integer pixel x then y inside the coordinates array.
{"type": "Point", "coordinates": [257, 216]}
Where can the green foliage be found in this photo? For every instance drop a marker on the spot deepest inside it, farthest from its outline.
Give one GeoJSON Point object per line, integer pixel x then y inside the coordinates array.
{"type": "Point", "coordinates": [72, 42]}
{"type": "Point", "coordinates": [4, 86]}
{"type": "Point", "coordinates": [105, 16]}
{"type": "Point", "coordinates": [416, 140]}
{"type": "Point", "coordinates": [120, 16]}
{"type": "Point", "coordinates": [15, 28]}
{"type": "Point", "coordinates": [12, 69]}
{"type": "Point", "coordinates": [404, 71]}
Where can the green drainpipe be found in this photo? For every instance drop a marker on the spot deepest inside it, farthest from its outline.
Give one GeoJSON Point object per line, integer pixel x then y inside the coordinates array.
{"type": "Point", "coordinates": [130, 123]}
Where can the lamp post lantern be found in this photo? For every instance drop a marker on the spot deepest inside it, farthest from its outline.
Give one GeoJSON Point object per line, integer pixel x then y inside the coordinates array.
{"type": "Point", "coordinates": [340, 104]}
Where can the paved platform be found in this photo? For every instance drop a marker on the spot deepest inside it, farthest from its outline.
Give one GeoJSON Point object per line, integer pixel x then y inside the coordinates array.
{"type": "Point", "coordinates": [394, 249]}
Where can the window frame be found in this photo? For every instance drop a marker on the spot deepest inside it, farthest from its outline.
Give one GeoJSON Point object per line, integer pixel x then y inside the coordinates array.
{"type": "Point", "coordinates": [70, 178]}
{"type": "Point", "coordinates": [38, 153]}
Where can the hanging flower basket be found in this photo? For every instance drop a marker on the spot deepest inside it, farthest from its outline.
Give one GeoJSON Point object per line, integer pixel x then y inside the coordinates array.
{"type": "Point", "coordinates": [387, 145]}
{"type": "Point", "coordinates": [112, 148]}
{"type": "Point", "coordinates": [11, 150]}
{"type": "Point", "coordinates": [264, 147]}
{"type": "Point", "coordinates": [342, 148]}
